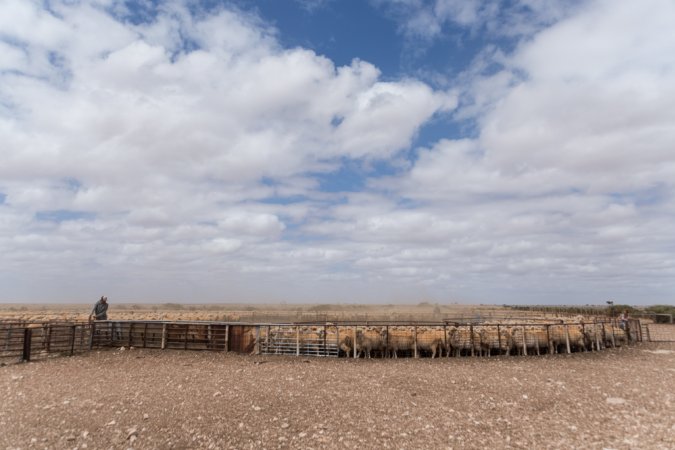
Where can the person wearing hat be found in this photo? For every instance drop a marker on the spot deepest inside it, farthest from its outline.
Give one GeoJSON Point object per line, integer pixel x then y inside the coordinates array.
{"type": "Point", "coordinates": [100, 311]}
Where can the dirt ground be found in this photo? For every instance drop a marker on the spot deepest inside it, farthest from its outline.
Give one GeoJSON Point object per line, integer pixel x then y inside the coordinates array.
{"type": "Point", "coordinates": [620, 398]}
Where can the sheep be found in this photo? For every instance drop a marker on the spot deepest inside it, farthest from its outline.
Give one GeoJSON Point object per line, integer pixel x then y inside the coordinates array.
{"type": "Point", "coordinates": [464, 339]}
{"type": "Point", "coordinates": [431, 340]}
{"type": "Point", "coordinates": [369, 340]}
{"type": "Point", "coordinates": [398, 340]}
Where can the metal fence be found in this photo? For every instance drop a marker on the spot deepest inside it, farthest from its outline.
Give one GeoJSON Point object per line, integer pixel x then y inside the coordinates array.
{"type": "Point", "coordinates": [375, 339]}
{"type": "Point", "coordinates": [178, 335]}
{"type": "Point", "coordinates": [40, 340]}
{"type": "Point", "coordinates": [659, 332]}
{"type": "Point", "coordinates": [26, 341]}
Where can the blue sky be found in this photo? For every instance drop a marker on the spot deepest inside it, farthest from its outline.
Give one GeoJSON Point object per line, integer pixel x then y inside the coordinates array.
{"type": "Point", "coordinates": [382, 151]}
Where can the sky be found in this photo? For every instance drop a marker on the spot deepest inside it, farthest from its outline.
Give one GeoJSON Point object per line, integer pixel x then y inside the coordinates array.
{"type": "Point", "coordinates": [330, 151]}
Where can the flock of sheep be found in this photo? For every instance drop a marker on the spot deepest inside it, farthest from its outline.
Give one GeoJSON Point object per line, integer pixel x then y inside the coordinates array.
{"type": "Point", "coordinates": [392, 341]}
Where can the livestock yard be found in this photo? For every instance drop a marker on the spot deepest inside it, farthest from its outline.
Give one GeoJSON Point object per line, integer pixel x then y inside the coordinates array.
{"type": "Point", "coordinates": [473, 378]}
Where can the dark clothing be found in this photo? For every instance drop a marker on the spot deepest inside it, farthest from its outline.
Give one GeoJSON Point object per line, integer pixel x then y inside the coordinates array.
{"type": "Point", "coordinates": [100, 310]}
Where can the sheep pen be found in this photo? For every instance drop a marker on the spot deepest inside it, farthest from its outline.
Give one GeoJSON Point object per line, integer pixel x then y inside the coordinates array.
{"type": "Point", "coordinates": [491, 384]}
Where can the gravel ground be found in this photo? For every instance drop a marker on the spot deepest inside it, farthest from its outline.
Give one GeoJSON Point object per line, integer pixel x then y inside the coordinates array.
{"type": "Point", "coordinates": [620, 398]}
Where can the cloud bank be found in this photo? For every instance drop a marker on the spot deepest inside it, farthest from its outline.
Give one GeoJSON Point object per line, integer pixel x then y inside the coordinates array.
{"type": "Point", "coordinates": [188, 156]}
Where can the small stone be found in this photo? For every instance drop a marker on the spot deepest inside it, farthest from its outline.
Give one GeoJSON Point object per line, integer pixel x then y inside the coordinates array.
{"type": "Point", "coordinates": [615, 401]}
{"type": "Point", "coordinates": [146, 417]}
{"type": "Point", "coordinates": [256, 408]}
{"type": "Point", "coordinates": [285, 425]}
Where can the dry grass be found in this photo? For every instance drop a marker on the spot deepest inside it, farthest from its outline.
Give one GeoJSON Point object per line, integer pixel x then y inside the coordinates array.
{"type": "Point", "coordinates": [264, 312]}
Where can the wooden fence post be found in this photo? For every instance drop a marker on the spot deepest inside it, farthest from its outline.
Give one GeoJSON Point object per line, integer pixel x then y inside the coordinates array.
{"type": "Point", "coordinates": [471, 338]}
{"type": "Point", "coordinates": [297, 340]}
{"type": "Point", "coordinates": [257, 340]}
{"type": "Point", "coordinates": [524, 342]}
{"type": "Point", "coordinates": [27, 337]}
{"type": "Point", "coordinates": [267, 339]}
{"type": "Point", "coordinates": [92, 331]}
{"type": "Point", "coordinates": [597, 337]}
{"type": "Point", "coordinates": [49, 338]}
{"type": "Point", "coordinates": [163, 336]}
{"type": "Point", "coordinates": [567, 338]}
{"type": "Point", "coordinates": [72, 339]}
{"type": "Point", "coordinates": [415, 339]}
{"type": "Point", "coordinates": [613, 340]}
{"type": "Point", "coordinates": [499, 340]}
{"type": "Point", "coordinates": [325, 337]}
{"type": "Point", "coordinates": [354, 343]}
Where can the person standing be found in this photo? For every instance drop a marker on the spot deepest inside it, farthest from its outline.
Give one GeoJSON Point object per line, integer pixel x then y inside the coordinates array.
{"type": "Point", "coordinates": [100, 311]}
{"type": "Point", "coordinates": [623, 320]}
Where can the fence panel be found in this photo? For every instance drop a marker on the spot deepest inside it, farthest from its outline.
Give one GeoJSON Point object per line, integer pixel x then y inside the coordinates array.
{"type": "Point", "coordinates": [659, 332]}
{"type": "Point", "coordinates": [23, 341]}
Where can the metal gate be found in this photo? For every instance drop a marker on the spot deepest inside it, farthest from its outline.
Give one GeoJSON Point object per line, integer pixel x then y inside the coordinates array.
{"type": "Point", "coordinates": [320, 340]}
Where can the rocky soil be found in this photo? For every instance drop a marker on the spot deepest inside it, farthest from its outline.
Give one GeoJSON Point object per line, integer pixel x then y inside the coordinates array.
{"type": "Point", "coordinates": [621, 398]}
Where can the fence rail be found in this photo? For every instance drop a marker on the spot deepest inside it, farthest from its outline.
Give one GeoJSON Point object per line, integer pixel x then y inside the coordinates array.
{"type": "Point", "coordinates": [27, 341]}
{"type": "Point", "coordinates": [40, 340]}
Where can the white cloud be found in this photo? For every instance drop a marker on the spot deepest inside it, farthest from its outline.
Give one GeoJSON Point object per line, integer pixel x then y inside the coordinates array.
{"type": "Point", "coordinates": [127, 158]}
{"type": "Point", "coordinates": [574, 152]}
{"type": "Point", "coordinates": [162, 152]}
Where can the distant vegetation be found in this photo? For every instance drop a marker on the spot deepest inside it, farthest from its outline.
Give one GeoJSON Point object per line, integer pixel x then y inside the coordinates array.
{"type": "Point", "coordinates": [610, 310]}
{"type": "Point", "coordinates": [661, 309]}
{"type": "Point", "coordinates": [172, 306]}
